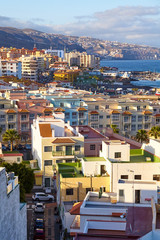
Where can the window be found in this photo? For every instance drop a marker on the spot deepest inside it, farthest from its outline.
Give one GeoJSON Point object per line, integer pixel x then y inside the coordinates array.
{"type": "Point", "coordinates": [23, 126]}
{"type": "Point", "coordinates": [94, 117]}
{"type": "Point", "coordinates": [107, 126]}
{"type": "Point", "coordinates": [67, 114]}
{"type": "Point", "coordinates": [10, 117]}
{"type": "Point", "coordinates": [107, 106]}
{"type": "Point", "coordinates": [1, 106]}
{"type": "Point", "coordinates": [108, 116]}
{"type": "Point", "coordinates": [48, 149]}
{"type": "Point", "coordinates": [77, 148]}
{"type": "Point", "coordinates": [23, 117]}
{"type": "Point", "coordinates": [139, 118]}
{"type": "Point", "coordinates": [74, 115]}
{"type": "Point", "coordinates": [47, 162]}
{"type": "Point", "coordinates": [146, 118]}
{"type": "Point", "coordinates": [146, 126]}
{"type": "Point", "coordinates": [139, 126]}
{"type": "Point", "coordinates": [31, 115]}
{"type": "Point", "coordinates": [3, 126]}
{"type": "Point", "coordinates": [69, 191]}
{"type": "Point", "coordinates": [133, 118]}
{"type": "Point", "coordinates": [96, 107]}
{"type": "Point", "coordinates": [115, 117]}
{"type": "Point", "coordinates": [154, 110]}
{"type": "Point", "coordinates": [101, 126]}
{"type": "Point", "coordinates": [133, 127]}
{"type": "Point", "coordinates": [61, 104]}
{"type": "Point", "coordinates": [124, 176]}
{"type": "Point", "coordinates": [127, 107]}
{"type": "Point", "coordinates": [2, 117]}
{"type": "Point", "coordinates": [88, 190]}
{"type": "Point", "coordinates": [157, 120]}
{"type": "Point", "coordinates": [18, 159]}
{"type": "Point", "coordinates": [11, 126]}
{"type": "Point", "coordinates": [117, 155]}
{"type": "Point", "coordinates": [103, 189]}
{"type": "Point", "coordinates": [137, 177]}
{"type": "Point", "coordinates": [126, 118]}
{"type": "Point", "coordinates": [81, 114]}
{"type": "Point", "coordinates": [101, 116]}
{"type": "Point", "coordinates": [138, 108]}
{"type": "Point", "coordinates": [59, 148]}
{"type": "Point", "coordinates": [92, 147]}
{"type": "Point", "coordinates": [74, 123]}
{"type": "Point", "coordinates": [121, 192]}
{"type": "Point", "coordinates": [144, 107]}
{"type": "Point", "coordinates": [94, 125]}
{"type": "Point", "coordinates": [156, 177]}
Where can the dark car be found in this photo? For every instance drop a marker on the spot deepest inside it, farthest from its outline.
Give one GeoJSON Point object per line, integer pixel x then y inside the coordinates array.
{"type": "Point", "coordinates": [39, 233]}
{"type": "Point", "coordinates": [39, 223]}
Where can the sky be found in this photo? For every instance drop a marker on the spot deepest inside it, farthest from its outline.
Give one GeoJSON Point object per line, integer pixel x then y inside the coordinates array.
{"type": "Point", "coordinates": [134, 21]}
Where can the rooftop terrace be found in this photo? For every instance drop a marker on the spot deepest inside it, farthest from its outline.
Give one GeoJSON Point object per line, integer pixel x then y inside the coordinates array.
{"type": "Point", "coordinates": [69, 170]}
{"type": "Point", "coordinates": [93, 159]}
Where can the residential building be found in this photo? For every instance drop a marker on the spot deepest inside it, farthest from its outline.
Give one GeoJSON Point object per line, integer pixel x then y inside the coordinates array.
{"type": "Point", "coordinates": [13, 217]}
{"type": "Point", "coordinates": [74, 180]}
{"type": "Point", "coordinates": [10, 68]}
{"type": "Point", "coordinates": [75, 109]}
{"type": "Point", "coordinates": [54, 141]}
{"type": "Point", "coordinates": [66, 75]}
{"type": "Point", "coordinates": [11, 157]}
{"type": "Point", "coordinates": [30, 68]}
{"type": "Point", "coordinates": [8, 114]}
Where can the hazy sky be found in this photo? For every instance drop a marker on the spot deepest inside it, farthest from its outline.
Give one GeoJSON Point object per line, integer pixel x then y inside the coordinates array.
{"type": "Point", "coordinates": [131, 21]}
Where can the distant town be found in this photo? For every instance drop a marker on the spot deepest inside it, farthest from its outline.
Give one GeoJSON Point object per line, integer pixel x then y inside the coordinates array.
{"type": "Point", "coordinates": [79, 143]}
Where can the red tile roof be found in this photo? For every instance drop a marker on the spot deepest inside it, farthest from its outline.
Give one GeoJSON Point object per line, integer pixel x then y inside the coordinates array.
{"type": "Point", "coordinates": [75, 210]}
{"type": "Point", "coordinates": [63, 140]}
{"type": "Point", "coordinates": [59, 110]}
{"type": "Point", "coordinates": [115, 111]}
{"type": "Point", "coordinates": [127, 113]}
{"type": "Point", "coordinates": [94, 112]}
{"type": "Point", "coordinates": [147, 112]}
{"type": "Point", "coordinates": [23, 111]}
{"type": "Point", "coordinates": [45, 130]}
{"type": "Point", "coordinates": [82, 109]}
{"type": "Point", "coordinates": [11, 111]}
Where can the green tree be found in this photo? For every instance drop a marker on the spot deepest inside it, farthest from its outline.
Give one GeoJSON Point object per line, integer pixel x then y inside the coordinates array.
{"type": "Point", "coordinates": [115, 129]}
{"type": "Point", "coordinates": [142, 136]}
{"type": "Point", "coordinates": [155, 132]}
{"type": "Point", "coordinates": [25, 177]}
{"type": "Point", "coordinates": [10, 135]}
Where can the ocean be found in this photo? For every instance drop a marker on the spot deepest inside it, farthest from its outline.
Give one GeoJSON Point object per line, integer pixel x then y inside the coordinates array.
{"type": "Point", "coordinates": [136, 65]}
{"type": "Point", "coordinates": [133, 65]}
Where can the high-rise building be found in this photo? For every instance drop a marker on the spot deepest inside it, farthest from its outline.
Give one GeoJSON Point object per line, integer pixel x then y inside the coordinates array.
{"type": "Point", "coordinates": [30, 68]}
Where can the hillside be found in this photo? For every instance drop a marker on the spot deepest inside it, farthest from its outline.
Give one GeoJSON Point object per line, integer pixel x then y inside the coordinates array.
{"type": "Point", "coordinates": [13, 37]}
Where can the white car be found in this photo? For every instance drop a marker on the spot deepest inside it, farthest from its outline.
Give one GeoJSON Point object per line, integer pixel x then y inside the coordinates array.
{"type": "Point", "coordinates": [42, 197]}
{"type": "Point", "coordinates": [39, 208]}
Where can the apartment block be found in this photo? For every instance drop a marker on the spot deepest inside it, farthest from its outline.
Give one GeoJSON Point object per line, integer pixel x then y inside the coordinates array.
{"type": "Point", "coordinates": [54, 141]}
{"type": "Point", "coordinates": [30, 68]}
{"type": "Point", "coordinates": [13, 217]}
{"type": "Point", "coordinates": [10, 68]}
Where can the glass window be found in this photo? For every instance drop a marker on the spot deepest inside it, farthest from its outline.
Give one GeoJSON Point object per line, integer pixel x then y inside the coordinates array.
{"type": "Point", "coordinates": [117, 155]}
{"type": "Point", "coordinates": [23, 117]}
{"type": "Point", "coordinates": [139, 118]}
{"type": "Point", "coordinates": [138, 108]}
{"type": "Point", "coordinates": [18, 159]}
{"type": "Point", "coordinates": [48, 162]}
{"type": "Point", "coordinates": [126, 118]}
{"type": "Point", "coordinates": [115, 117]}
{"type": "Point", "coordinates": [94, 117]}
{"type": "Point", "coordinates": [96, 107]}
{"type": "Point", "coordinates": [2, 117]}
{"type": "Point", "coordinates": [139, 126]}
{"type": "Point", "coordinates": [31, 115]}
{"type": "Point", "coordinates": [101, 126]}
{"type": "Point", "coordinates": [156, 177]}
{"type": "Point", "coordinates": [133, 127]}
{"type": "Point", "coordinates": [133, 118]}
{"type": "Point", "coordinates": [107, 106]}
{"type": "Point", "coordinates": [59, 148]}
{"type": "Point", "coordinates": [69, 191]}
{"type": "Point", "coordinates": [138, 177]}
{"type": "Point", "coordinates": [48, 149]}
{"type": "Point", "coordinates": [101, 116]}
{"type": "Point", "coordinates": [92, 147]}
{"type": "Point", "coordinates": [77, 148]}
{"type": "Point", "coordinates": [121, 192]}
{"type": "Point", "coordinates": [124, 176]}
{"type": "Point", "coordinates": [127, 107]}
{"type": "Point", "coordinates": [108, 116]}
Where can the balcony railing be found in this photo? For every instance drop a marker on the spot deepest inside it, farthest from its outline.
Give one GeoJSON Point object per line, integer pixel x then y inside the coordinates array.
{"type": "Point", "coordinates": [63, 153]}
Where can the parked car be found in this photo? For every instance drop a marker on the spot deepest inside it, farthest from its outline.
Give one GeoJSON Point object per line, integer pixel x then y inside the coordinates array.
{"type": "Point", "coordinates": [40, 196]}
{"type": "Point", "coordinates": [4, 148]}
{"type": "Point", "coordinates": [39, 233]}
{"type": "Point", "coordinates": [39, 223]}
{"type": "Point", "coordinates": [39, 208]}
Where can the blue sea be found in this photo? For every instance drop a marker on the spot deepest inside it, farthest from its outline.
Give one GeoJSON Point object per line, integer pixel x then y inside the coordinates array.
{"type": "Point", "coordinates": [136, 65]}
{"type": "Point", "coordinates": [133, 65]}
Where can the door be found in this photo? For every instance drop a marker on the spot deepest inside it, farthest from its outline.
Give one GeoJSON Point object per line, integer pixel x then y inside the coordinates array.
{"type": "Point", "coordinates": [137, 196]}
{"type": "Point", "coordinates": [103, 171]}
{"type": "Point", "coordinates": [68, 150]}
{"type": "Point", "coordinates": [47, 182]}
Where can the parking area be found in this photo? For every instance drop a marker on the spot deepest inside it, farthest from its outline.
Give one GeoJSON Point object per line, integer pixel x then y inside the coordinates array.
{"type": "Point", "coordinates": [51, 227]}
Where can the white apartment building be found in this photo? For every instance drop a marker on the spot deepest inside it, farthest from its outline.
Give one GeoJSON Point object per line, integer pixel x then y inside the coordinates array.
{"type": "Point", "coordinates": [81, 59]}
{"type": "Point", "coordinates": [10, 68]}
{"type": "Point", "coordinates": [30, 68]}
{"type": "Point", "coordinates": [59, 53]}
{"type": "Point", "coordinates": [54, 141]}
{"type": "Point", "coordinates": [13, 217]}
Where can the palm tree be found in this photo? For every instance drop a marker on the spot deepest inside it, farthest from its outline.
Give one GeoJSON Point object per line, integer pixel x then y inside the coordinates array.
{"type": "Point", "coordinates": [10, 136]}
{"type": "Point", "coordinates": [142, 136]}
{"type": "Point", "coordinates": [115, 129]}
{"type": "Point", "coordinates": [155, 132]}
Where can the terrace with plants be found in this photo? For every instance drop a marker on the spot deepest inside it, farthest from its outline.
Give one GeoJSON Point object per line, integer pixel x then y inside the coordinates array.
{"type": "Point", "coordinates": [69, 170]}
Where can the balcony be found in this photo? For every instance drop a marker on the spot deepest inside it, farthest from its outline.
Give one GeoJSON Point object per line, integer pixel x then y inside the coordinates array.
{"type": "Point", "coordinates": [62, 153]}
{"type": "Point", "coordinates": [12, 184]}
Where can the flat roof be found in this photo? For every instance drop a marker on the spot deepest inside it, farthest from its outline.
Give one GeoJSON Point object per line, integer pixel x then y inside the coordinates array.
{"type": "Point", "coordinates": [94, 159]}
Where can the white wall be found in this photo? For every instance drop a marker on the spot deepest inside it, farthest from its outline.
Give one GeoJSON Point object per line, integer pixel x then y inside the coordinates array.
{"type": "Point", "coordinates": [92, 167]}
{"type": "Point", "coordinates": [153, 147]}
{"type": "Point", "coordinates": [147, 190]}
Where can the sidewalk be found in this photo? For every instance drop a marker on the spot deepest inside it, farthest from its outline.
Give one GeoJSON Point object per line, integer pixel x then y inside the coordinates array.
{"type": "Point", "coordinates": [49, 221]}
